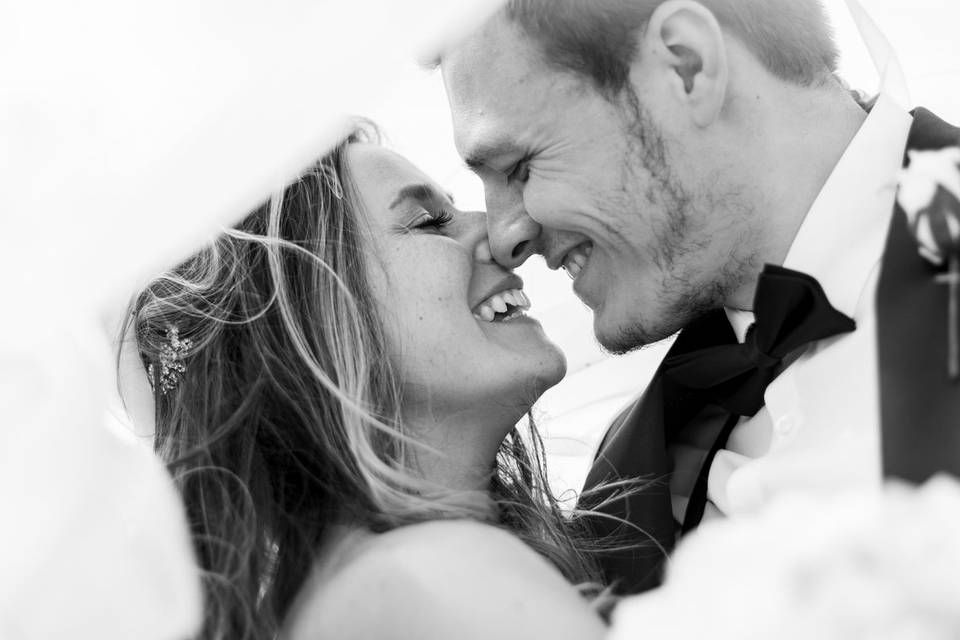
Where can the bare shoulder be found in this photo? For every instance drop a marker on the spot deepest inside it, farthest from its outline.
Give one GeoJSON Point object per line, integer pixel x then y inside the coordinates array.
{"type": "Point", "coordinates": [452, 579]}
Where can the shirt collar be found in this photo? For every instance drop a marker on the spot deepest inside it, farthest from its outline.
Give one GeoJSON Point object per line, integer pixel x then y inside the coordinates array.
{"type": "Point", "coordinates": [842, 236]}
{"type": "Point", "coordinates": [740, 321]}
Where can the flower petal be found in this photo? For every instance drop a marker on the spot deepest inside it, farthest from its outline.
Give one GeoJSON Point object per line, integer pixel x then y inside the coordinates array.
{"type": "Point", "coordinates": [916, 192]}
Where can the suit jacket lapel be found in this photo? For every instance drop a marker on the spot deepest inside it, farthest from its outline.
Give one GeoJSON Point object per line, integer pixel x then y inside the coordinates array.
{"type": "Point", "coordinates": [920, 407]}
{"type": "Point", "coordinates": [635, 446]}
{"type": "Point", "coordinates": [641, 522]}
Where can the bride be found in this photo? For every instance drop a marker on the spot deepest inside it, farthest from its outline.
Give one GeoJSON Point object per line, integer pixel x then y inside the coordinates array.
{"type": "Point", "coordinates": [338, 380]}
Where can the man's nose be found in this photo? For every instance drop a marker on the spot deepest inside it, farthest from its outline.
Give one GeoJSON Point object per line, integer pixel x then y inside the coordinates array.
{"type": "Point", "coordinates": [514, 235]}
{"type": "Point", "coordinates": [472, 233]}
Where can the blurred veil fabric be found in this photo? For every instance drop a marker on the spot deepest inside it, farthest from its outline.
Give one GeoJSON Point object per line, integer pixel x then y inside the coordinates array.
{"type": "Point", "coordinates": [128, 133]}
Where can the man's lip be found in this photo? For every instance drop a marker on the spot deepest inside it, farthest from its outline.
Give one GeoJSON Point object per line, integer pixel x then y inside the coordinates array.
{"type": "Point", "coordinates": [557, 259]}
{"type": "Point", "coordinates": [578, 290]}
{"type": "Point", "coordinates": [511, 281]}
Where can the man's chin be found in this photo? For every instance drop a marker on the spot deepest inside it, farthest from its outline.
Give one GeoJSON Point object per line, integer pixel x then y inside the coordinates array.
{"type": "Point", "coordinates": [621, 340]}
{"type": "Point", "coordinates": [626, 336]}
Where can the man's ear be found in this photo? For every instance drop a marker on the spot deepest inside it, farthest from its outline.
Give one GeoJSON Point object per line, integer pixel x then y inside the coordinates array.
{"type": "Point", "coordinates": [688, 46]}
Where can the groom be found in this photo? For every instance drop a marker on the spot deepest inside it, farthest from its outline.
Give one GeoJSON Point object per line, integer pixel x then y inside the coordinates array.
{"type": "Point", "coordinates": [697, 167]}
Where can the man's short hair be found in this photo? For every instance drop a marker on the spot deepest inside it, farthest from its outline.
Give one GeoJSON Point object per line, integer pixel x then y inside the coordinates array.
{"type": "Point", "coordinates": [598, 39]}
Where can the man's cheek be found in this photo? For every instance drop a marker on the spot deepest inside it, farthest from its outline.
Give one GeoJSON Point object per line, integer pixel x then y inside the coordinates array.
{"type": "Point", "coordinates": [546, 203]}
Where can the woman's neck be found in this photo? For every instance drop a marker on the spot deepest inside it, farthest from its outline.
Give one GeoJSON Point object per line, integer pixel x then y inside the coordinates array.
{"type": "Point", "coordinates": [463, 449]}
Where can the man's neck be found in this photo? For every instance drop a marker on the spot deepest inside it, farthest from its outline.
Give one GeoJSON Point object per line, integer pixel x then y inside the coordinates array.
{"type": "Point", "coordinates": [806, 132]}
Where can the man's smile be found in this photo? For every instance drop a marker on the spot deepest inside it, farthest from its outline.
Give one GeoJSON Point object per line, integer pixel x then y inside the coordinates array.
{"type": "Point", "coordinates": [576, 259]}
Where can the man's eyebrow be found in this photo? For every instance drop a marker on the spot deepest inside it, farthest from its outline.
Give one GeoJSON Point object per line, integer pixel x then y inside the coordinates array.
{"type": "Point", "coordinates": [420, 192]}
{"type": "Point", "coordinates": [474, 161]}
{"type": "Point", "coordinates": [480, 155]}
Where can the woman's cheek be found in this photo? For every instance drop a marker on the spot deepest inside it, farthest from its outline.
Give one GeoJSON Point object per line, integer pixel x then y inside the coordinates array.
{"type": "Point", "coordinates": [432, 291]}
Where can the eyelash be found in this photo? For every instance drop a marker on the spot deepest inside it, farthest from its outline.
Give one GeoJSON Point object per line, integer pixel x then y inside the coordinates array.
{"type": "Point", "coordinates": [437, 220]}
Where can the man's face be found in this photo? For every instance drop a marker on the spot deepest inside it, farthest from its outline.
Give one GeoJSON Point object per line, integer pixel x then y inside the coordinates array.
{"type": "Point", "coordinates": [597, 186]}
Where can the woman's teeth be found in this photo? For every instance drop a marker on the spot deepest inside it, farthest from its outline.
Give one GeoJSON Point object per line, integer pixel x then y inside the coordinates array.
{"type": "Point", "coordinates": [576, 260]}
{"type": "Point", "coordinates": [502, 306]}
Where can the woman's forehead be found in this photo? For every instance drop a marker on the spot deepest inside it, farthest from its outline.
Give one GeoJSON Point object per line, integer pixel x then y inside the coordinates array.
{"type": "Point", "coordinates": [386, 180]}
{"type": "Point", "coordinates": [372, 163]}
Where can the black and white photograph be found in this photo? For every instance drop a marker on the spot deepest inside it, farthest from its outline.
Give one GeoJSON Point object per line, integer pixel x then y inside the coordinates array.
{"type": "Point", "coordinates": [513, 319]}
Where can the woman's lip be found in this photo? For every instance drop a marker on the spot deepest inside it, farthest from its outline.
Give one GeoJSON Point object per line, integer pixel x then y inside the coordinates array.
{"type": "Point", "coordinates": [505, 304]}
{"type": "Point", "coordinates": [507, 283]}
{"type": "Point", "coordinates": [522, 318]}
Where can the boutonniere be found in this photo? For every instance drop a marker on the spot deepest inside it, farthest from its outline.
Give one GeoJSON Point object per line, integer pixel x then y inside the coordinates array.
{"type": "Point", "coordinates": [929, 193]}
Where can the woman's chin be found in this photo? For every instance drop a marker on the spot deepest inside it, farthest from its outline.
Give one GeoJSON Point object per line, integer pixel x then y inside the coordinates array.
{"type": "Point", "coordinates": [547, 370]}
{"type": "Point", "coordinates": [557, 369]}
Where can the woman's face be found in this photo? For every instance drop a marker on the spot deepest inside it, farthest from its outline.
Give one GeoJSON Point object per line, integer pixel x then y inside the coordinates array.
{"type": "Point", "coordinates": [454, 318]}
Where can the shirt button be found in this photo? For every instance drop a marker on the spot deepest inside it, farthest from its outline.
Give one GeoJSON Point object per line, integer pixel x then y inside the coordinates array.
{"type": "Point", "coordinates": [784, 426]}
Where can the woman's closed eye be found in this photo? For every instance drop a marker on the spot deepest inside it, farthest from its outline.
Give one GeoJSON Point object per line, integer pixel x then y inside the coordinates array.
{"type": "Point", "coordinates": [433, 221]}
{"type": "Point", "coordinates": [422, 208]}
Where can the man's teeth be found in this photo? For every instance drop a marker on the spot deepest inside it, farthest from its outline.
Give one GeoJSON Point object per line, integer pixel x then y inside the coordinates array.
{"type": "Point", "coordinates": [512, 302]}
{"type": "Point", "coordinates": [576, 260]}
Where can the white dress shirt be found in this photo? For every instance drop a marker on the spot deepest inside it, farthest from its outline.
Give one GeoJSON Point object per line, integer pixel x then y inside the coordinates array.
{"type": "Point", "coordinates": [820, 427]}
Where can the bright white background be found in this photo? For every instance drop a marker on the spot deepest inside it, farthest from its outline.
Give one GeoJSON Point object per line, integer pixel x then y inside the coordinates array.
{"type": "Point", "coordinates": [926, 37]}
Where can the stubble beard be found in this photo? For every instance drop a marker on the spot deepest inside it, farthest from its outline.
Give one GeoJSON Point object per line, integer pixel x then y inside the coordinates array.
{"type": "Point", "coordinates": [688, 286]}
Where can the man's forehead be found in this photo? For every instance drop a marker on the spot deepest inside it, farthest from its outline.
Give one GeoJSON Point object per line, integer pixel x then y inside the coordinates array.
{"type": "Point", "coordinates": [483, 135]}
{"type": "Point", "coordinates": [494, 59]}
{"type": "Point", "coordinates": [490, 80]}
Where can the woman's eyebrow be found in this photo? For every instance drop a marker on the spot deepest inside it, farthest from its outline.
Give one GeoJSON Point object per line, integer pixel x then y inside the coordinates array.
{"type": "Point", "coordinates": [418, 192]}
{"type": "Point", "coordinates": [421, 192]}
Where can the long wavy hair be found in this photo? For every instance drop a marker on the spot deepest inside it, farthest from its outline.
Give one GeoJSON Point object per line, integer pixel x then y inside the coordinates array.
{"type": "Point", "coordinates": [278, 410]}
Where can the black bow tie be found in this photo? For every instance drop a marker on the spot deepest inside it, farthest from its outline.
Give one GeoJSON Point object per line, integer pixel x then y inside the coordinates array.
{"type": "Point", "coordinates": [791, 310]}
